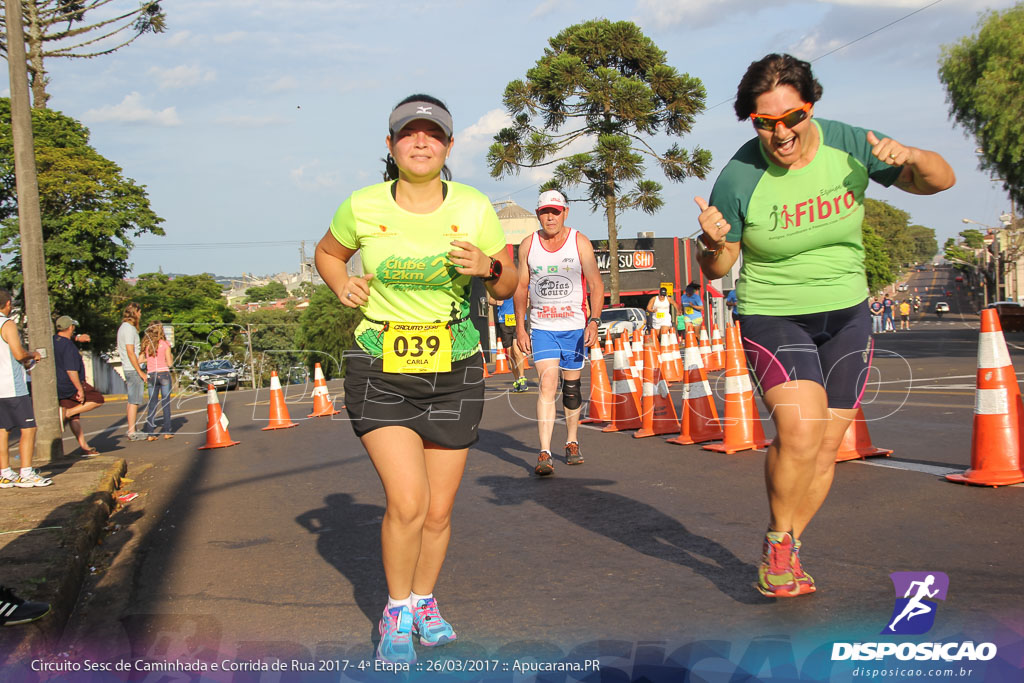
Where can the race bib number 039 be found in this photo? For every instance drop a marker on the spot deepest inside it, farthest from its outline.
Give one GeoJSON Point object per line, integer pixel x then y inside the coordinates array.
{"type": "Point", "coordinates": [417, 347]}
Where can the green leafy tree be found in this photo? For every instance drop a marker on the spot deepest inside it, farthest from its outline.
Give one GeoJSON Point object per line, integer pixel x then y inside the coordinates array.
{"type": "Point", "coordinates": [91, 213]}
{"type": "Point", "coordinates": [59, 28]}
{"type": "Point", "coordinates": [984, 84]}
{"type": "Point", "coordinates": [273, 341]}
{"type": "Point", "coordinates": [925, 246]}
{"type": "Point", "coordinates": [891, 225]}
{"type": "Point", "coordinates": [304, 290]}
{"type": "Point", "coordinates": [973, 238]}
{"type": "Point", "coordinates": [326, 328]}
{"type": "Point", "coordinates": [876, 259]}
{"type": "Point", "coordinates": [204, 327]}
{"type": "Point", "coordinates": [606, 87]}
{"type": "Point", "coordinates": [268, 292]}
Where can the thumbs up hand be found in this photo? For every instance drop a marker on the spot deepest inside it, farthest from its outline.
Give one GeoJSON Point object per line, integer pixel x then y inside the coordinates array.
{"type": "Point", "coordinates": [890, 151]}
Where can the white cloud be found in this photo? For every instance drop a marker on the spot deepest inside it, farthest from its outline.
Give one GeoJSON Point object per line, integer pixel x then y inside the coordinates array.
{"type": "Point", "coordinates": [472, 142]}
{"type": "Point", "coordinates": [546, 7]}
{"type": "Point", "coordinates": [131, 110]}
{"type": "Point", "coordinates": [230, 37]}
{"type": "Point", "coordinates": [182, 76]}
{"type": "Point", "coordinates": [246, 121]}
{"type": "Point", "coordinates": [284, 84]}
{"type": "Point", "coordinates": [179, 38]}
{"type": "Point", "coordinates": [312, 176]}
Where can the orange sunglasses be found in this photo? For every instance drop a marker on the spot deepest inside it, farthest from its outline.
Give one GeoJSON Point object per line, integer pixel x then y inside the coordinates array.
{"type": "Point", "coordinates": [789, 119]}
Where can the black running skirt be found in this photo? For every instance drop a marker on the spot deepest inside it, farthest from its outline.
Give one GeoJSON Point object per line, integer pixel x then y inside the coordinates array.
{"type": "Point", "coordinates": [444, 408]}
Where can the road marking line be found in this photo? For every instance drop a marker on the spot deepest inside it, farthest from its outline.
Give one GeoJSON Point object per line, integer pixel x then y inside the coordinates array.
{"type": "Point", "coordinates": [939, 471]}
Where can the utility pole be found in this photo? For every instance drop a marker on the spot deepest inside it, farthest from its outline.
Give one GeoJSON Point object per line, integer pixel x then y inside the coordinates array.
{"type": "Point", "coordinates": [33, 264]}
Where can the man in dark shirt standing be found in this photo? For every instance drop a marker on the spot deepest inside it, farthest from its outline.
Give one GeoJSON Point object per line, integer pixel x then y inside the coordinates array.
{"type": "Point", "coordinates": [76, 396]}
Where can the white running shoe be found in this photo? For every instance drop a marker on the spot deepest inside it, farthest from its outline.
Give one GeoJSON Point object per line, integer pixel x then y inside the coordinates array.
{"type": "Point", "coordinates": [31, 479]}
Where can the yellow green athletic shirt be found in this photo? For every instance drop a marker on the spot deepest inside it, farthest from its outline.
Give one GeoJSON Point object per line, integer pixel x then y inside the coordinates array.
{"type": "Point", "coordinates": [801, 228]}
{"type": "Point", "coordinates": [413, 280]}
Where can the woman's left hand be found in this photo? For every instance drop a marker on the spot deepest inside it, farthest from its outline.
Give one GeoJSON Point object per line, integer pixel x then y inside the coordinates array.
{"type": "Point", "coordinates": [469, 260]}
{"type": "Point", "coordinates": [890, 151]}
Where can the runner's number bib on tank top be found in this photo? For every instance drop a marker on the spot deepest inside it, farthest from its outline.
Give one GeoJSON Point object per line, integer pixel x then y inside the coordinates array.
{"type": "Point", "coordinates": [417, 347]}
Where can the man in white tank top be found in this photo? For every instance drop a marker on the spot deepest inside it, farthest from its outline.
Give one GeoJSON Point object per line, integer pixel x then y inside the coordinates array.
{"type": "Point", "coordinates": [556, 268]}
{"type": "Point", "coordinates": [660, 309]}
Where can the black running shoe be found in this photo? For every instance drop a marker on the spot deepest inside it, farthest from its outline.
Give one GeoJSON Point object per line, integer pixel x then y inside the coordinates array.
{"type": "Point", "coordinates": [545, 465]}
{"type": "Point", "coordinates": [572, 453]}
{"type": "Point", "coordinates": [14, 610]}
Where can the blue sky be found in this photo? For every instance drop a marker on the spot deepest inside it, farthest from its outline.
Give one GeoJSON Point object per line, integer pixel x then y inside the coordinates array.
{"type": "Point", "coordinates": [249, 121]}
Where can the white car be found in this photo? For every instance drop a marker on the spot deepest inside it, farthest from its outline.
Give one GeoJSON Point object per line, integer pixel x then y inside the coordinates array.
{"type": "Point", "coordinates": [619, 319]}
{"type": "Point", "coordinates": [942, 307]}
{"type": "Point", "coordinates": [903, 288]}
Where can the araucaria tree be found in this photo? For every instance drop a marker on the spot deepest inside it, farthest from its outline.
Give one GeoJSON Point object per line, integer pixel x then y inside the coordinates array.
{"type": "Point", "coordinates": [604, 88]}
{"type": "Point", "coordinates": [59, 28]}
{"type": "Point", "coordinates": [984, 79]}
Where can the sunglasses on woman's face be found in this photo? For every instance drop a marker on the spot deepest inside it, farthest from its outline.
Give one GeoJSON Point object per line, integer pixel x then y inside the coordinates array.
{"type": "Point", "coordinates": [789, 119]}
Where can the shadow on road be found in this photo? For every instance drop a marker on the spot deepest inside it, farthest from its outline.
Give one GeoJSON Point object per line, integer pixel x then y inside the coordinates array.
{"type": "Point", "coordinates": [635, 525]}
{"type": "Point", "coordinates": [348, 537]}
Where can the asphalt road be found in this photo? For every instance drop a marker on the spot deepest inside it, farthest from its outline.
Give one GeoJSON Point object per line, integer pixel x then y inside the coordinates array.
{"type": "Point", "coordinates": [271, 548]}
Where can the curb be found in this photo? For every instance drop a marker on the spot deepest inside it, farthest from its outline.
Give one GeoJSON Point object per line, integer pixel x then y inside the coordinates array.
{"type": "Point", "coordinates": [70, 570]}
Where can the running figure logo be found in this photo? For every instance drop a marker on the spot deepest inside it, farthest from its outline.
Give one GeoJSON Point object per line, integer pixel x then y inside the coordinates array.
{"type": "Point", "coordinates": [914, 612]}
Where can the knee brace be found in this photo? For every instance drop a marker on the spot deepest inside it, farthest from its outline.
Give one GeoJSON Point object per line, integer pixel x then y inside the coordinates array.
{"type": "Point", "coordinates": [572, 397]}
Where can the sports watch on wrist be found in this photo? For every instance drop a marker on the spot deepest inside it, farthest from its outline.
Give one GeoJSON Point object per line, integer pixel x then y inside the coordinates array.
{"type": "Point", "coordinates": [495, 271]}
{"type": "Point", "coordinates": [594, 320]}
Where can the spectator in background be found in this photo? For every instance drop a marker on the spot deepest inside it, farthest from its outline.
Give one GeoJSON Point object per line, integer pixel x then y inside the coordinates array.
{"type": "Point", "coordinates": [888, 307]}
{"type": "Point", "coordinates": [876, 315]}
{"type": "Point", "coordinates": [76, 396]}
{"type": "Point", "coordinates": [134, 376]}
{"type": "Point", "coordinates": [157, 351]}
{"type": "Point", "coordinates": [905, 315]}
{"type": "Point", "coordinates": [15, 404]}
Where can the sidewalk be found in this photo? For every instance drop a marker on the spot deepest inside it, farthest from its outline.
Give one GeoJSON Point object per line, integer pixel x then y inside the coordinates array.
{"type": "Point", "coordinates": [46, 537]}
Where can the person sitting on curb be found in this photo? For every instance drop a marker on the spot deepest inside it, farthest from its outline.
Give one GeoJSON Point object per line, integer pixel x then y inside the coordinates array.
{"type": "Point", "coordinates": [76, 396]}
{"type": "Point", "coordinates": [16, 403]}
{"type": "Point", "coordinates": [14, 610]}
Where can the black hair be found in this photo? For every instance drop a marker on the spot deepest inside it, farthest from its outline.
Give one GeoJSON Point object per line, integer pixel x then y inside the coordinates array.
{"type": "Point", "coordinates": [390, 167]}
{"type": "Point", "coordinates": [5, 296]}
{"type": "Point", "coordinates": [768, 73]}
{"type": "Point", "coordinates": [693, 285]}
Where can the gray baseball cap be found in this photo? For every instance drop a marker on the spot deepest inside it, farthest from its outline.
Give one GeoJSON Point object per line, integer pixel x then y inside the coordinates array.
{"type": "Point", "coordinates": [64, 322]}
{"type": "Point", "coordinates": [404, 114]}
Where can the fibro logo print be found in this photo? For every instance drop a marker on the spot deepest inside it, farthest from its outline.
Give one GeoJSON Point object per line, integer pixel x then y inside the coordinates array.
{"type": "Point", "coordinates": [916, 592]}
{"type": "Point", "coordinates": [814, 209]}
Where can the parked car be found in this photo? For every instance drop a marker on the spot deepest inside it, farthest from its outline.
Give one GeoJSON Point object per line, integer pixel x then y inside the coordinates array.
{"type": "Point", "coordinates": [619, 319]}
{"type": "Point", "coordinates": [902, 288]}
{"type": "Point", "coordinates": [219, 373]}
{"type": "Point", "coordinates": [1011, 315]}
{"type": "Point", "coordinates": [959, 278]}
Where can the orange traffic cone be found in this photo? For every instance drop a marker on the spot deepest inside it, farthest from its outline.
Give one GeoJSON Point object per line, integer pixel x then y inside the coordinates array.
{"type": "Point", "coordinates": [699, 417]}
{"type": "Point", "coordinates": [625, 409]}
{"type": "Point", "coordinates": [677, 356]}
{"type": "Point", "coordinates": [717, 349]}
{"type": "Point", "coordinates": [705, 349]}
{"type": "Point", "coordinates": [666, 358]}
{"type": "Point", "coordinates": [659, 412]}
{"type": "Point", "coordinates": [998, 413]}
{"type": "Point", "coordinates": [279, 418]}
{"type": "Point", "coordinates": [217, 435]}
{"type": "Point", "coordinates": [322, 404]}
{"type": "Point", "coordinates": [857, 441]}
{"type": "Point", "coordinates": [501, 361]}
{"type": "Point", "coordinates": [609, 346]}
{"type": "Point", "coordinates": [638, 355]}
{"type": "Point", "coordinates": [601, 397]}
{"type": "Point", "coordinates": [742, 424]}
{"type": "Point", "coordinates": [483, 359]}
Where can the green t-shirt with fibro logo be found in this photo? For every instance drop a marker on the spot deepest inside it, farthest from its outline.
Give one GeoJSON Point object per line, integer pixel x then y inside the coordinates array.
{"type": "Point", "coordinates": [413, 280]}
{"type": "Point", "coordinates": [801, 229]}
